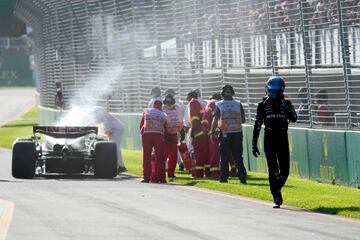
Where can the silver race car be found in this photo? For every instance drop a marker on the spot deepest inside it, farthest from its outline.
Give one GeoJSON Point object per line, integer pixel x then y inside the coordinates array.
{"type": "Point", "coordinates": [65, 150]}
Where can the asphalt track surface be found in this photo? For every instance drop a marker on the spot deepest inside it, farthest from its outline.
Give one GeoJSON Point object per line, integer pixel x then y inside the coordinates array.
{"type": "Point", "coordinates": [82, 207]}
{"type": "Point", "coordinates": [14, 101]}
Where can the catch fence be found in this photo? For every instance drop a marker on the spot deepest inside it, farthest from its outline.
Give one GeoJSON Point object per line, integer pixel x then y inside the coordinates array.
{"type": "Point", "coordinates": [114, 51]}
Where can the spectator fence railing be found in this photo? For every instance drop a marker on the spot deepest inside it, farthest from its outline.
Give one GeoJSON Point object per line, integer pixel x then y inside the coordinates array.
{"type": "Point", "coordinates": [113, 52]}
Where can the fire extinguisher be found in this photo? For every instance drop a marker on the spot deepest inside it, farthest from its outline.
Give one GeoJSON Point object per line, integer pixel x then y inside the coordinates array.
{"type": "Point", "coordinates": [193, 163]}
{"type": "Point", "coordinates": [185, 155]}
{"type": "Point", "coordinates": [232, 167]}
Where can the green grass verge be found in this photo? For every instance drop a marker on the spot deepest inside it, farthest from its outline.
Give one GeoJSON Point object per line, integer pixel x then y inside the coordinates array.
{"type": "Point", "coordinates": [33, 113]}
{"type": "Point", "coordinates": [307, 194]}
{"type": "Point", "coordinates": [21, 128]}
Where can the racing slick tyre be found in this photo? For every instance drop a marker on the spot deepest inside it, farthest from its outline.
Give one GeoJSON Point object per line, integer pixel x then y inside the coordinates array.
{"type": "Point", "coordinates": [105, 160]}
{"type": "Point", "coordinates": [23, 159]}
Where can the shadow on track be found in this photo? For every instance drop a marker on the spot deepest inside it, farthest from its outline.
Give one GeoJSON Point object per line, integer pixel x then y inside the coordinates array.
{"type": "Point", "coordinates": [82, 177]}
{"type": "Point", "coordinates": [334, 210]}
{"type": "Point", "coordinates": [10, 181]}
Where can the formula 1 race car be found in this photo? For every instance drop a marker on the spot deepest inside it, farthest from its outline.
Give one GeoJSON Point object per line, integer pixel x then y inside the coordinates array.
{"type": "Point", "coordinates": [66, 150]}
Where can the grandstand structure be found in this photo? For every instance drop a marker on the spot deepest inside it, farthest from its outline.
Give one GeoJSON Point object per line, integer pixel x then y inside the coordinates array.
{"type": "Point", "coordinates": [119, 49]}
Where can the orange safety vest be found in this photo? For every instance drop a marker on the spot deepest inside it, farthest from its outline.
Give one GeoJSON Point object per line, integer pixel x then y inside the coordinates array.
{"type": "Point", "coordinates": [230, 116]}
{"type": "Point", "coordinates": [174, 119]}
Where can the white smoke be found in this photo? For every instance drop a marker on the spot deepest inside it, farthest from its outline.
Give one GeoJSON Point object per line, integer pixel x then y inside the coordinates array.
{"type": "Point", "coordinates": [106, 72]}
{"type": "Point", "coordinates": [83, 102]}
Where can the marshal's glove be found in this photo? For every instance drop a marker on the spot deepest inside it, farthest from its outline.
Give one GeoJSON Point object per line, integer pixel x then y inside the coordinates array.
{"type": "Point", "coordinates": [213, 138]}
{"type": "Point", "coordinates": [192, 133]}
{"type": "Point", "coordinates": [255, 150]}
{"type": "Point", "coordinates": [182, 135]}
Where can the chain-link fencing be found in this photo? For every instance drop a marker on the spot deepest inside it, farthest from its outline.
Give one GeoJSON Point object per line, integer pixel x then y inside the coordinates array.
{"type": "Point", "coordinates": [112, 52]}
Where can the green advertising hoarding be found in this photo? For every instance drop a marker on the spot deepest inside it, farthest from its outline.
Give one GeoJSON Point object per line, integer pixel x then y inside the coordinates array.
{"type": "Point", "coordinates": [131, 135]}
{"type": "Point", "coordinates": [246, 152]}
{"type": "Point", "coordinates": [299, 165]}
{"type": "Point", "coordinates": [327, 156]}
{"type": "Point", "coordinates": [15, 69]}
{"type": "Point", "coordinates": [353, 157]}
{"type": "Point", "coordinates": [258, 164]}
{"type": "Point", "coordinates": [299, 154]}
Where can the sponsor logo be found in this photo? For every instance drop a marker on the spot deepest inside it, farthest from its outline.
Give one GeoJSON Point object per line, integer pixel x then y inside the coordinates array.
{"type": "Point", "coordinates": [326, 147]}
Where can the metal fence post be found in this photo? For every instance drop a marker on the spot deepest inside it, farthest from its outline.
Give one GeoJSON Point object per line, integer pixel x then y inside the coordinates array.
{"type": "Point", "coordinates": [46, 58]}
{"type": "Point", "coordinates": [307, 58]}
{"type": "Point", "coordinates": [292, 45]}
{"type": "Point", "coordinates": [220, 42]}
{"type": "Point", "coordinates": [317, 46]}
{"type": "Point", "coordinates": [274, 63]}
{"type": "Point", "coordinates": [157, 45]}
{"type": "Point", "coordinates": [198, 46]}
{"type": "Point", "coordinates": [344, 37]}
{"type": "Point", "coordinates": [177, 50]}
{"type": "Point", "coordinates": [247, 59]}
{"type": "Point", "coordinates": [133, 36]}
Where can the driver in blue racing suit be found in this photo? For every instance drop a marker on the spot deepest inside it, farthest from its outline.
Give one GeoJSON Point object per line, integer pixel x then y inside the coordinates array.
{"type": "Point", "coordinates": [275, 112]}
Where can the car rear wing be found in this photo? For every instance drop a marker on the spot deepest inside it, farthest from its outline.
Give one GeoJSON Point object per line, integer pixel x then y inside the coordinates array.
{"type": "Point", "coordinates": [65, 132]}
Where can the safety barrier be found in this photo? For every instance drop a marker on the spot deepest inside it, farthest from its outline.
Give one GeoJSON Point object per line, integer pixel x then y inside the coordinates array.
{"type": "Point", "coordinates": [14, 68]}
{"type": "Point", "coordinates": [352, 140]}
{"type": "Point", "coordinates": [132, 138]}
{"type": "Point", "coordinates": [325, 156]}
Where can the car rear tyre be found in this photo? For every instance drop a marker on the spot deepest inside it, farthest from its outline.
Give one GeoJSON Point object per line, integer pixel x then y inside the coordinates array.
{"type": "Point", "coordinates": [105, 160]}
{"type": "Point", "coordinates": [23, 159]}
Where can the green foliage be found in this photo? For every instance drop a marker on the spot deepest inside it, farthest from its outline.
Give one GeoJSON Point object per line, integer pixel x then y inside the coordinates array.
{"type": "Point", "coordinates": [33, 113]}
{"type": "Point", "coordinates": [307, 194]}
{"type": "Point", "coordinates": [15, 67]}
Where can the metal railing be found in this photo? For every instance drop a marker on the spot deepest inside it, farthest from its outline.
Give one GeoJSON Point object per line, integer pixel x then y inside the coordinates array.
{"type": "Point", "coordinates": [113, 52]}
{"type": "Point", "coordinates": [14, 43]}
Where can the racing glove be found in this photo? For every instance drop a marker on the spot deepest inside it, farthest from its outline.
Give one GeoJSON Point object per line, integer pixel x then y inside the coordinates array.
{"type": "Point", "coordinates": [290, 111]}
{"type": "Point", "coordinates": [255, 150]}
